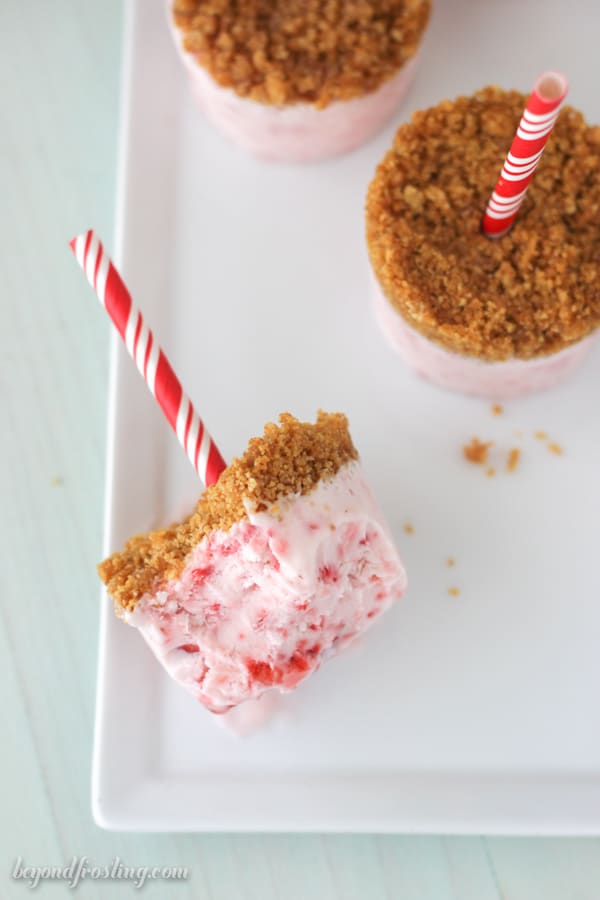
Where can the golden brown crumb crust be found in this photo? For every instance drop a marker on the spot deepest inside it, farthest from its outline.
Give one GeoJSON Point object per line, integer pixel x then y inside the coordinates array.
{"type": "Point", "coordinates": [514, 455]}
{"type": "Point", "coordinates": [477, 451]}
{"type": "Point", "coordinates": [290, 458]}
{"type": "Point", "coordinates": [313, 51]}
{"type": "Point", "coordinates": [532, 292]}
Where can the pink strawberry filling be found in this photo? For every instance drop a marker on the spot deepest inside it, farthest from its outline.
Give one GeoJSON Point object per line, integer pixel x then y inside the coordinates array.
{"type": "Point", "coordinates": [469, 375]}
{"type": "Point", "coordinates": [263, 605]}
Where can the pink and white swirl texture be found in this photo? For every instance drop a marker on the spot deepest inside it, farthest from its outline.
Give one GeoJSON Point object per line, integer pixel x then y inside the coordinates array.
{"type": "Point", "coordinates": [260, 607]}
{"type": "Point", "coordinates": [500, 380]}
{"type": "Point", "coordinates": [525, 153]}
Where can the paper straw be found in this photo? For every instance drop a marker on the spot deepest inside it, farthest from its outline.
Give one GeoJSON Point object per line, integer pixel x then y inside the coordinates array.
{"type": "Point", "coordinates": [533, 132]}
{"type": "Point", "coordinates": [152, 363]}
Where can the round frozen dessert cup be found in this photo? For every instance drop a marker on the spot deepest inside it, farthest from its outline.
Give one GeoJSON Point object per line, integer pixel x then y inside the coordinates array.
{"type": "Point", "coordinates": [332, 120]}
{"type": "Point", "coordinates": [491, 318]}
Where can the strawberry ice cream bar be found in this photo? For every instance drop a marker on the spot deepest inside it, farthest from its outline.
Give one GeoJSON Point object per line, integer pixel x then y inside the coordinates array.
{"type": "Point", "coordinates": [285, 90]}
{"type": "Point", "coordinates": [469, 375]}
{"type": "Point", "coordinates": [283, 563]}
{"type": "Point", "coordinates": [493, 318]}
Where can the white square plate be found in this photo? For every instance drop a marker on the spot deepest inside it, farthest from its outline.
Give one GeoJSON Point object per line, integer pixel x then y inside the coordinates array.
{"type": "Point", "coordinates": [469, 713]}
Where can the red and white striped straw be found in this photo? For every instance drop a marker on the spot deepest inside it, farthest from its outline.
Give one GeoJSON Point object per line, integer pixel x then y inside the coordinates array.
{"type": "Point", "coordinates": [152, 363]}
{"type": "Point", "coordinates": [528, 144]}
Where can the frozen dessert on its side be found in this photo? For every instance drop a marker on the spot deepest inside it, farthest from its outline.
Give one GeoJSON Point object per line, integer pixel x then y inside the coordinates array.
{"type": "Point", "coordinates": [283, 562]}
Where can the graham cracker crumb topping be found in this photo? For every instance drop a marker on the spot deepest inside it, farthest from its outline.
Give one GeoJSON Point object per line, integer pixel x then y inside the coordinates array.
{"type": "Point", "coordinates": [513, 458]}
{"type": "Point", "coordinates": [289, 458]}
{"type": "Point", "coordinates": [287, 51]}
{"type": "Point", "coordinates": [477, 451]}
{"type": "Point", "coordinates": [534, 291]}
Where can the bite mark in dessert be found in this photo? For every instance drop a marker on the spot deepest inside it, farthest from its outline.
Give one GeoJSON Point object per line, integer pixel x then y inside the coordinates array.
{"type": "Point", "coordinates": [283, 562]}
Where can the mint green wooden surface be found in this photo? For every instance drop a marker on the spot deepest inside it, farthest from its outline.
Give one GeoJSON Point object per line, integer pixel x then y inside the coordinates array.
{"type": "Point", "coordinates": [59, 77]}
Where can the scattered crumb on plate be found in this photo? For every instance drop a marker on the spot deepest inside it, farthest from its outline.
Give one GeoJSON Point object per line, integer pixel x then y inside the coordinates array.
{"type": "Point", "coordinates": [497, 410]}
{"type": "Point", "coordinates": [453, 591]}
{"type": "Point", "coordinates": [409, 529]}
{"type": "Point", "coordinates": [541, 435]}
{"type": "Point", "coordinates": [555, 448]}
{"type": "Point", "coordinates": [477, 451]}
{"type": "Point", "coordinates": [513, 459]}
{"type": "Point", "coordinates": [490, 471]}
{"type": "Point", "coordinates": [57, 480]}
{"type": "Point", "coordinates": [450, 561]}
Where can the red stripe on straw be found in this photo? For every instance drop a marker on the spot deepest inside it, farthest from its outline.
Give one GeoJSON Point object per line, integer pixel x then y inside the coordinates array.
{"type": "Point", "coordinates": [167, 390]}
{"type": "Point", "coordinates": [147, 353]}
{"type": "Point", "coordinates": [186, 433]}
{"type": "Point", "coordinates": [88, 241]}
{"type": "Point", "coordinates": [115, 298]}
{"type": "Point", "coordinates": [213, 464]}
{"type": "Point", "coordinates": [198, 444]}
{"type": "Point", "coordinates": [96, 270]}
{"type": "Point", "coordinates": [136, 336]}
{"type": "Point", "coordinates": [528, 144]}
